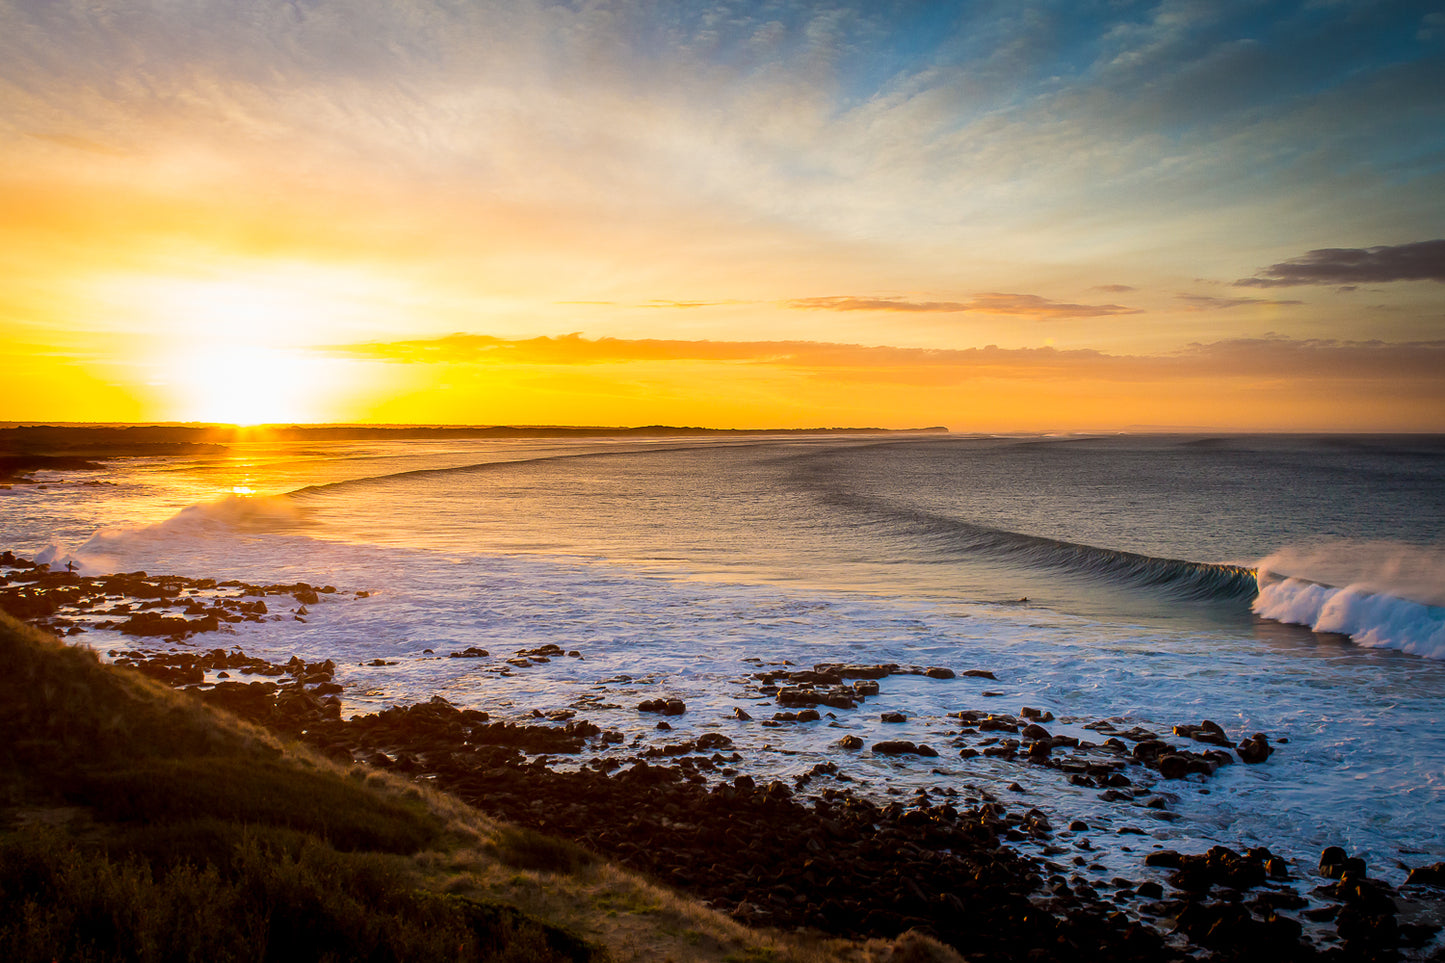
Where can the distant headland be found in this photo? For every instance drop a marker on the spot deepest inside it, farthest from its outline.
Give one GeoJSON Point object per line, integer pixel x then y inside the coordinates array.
{"type": "Point", "coordinates": [28, 447]}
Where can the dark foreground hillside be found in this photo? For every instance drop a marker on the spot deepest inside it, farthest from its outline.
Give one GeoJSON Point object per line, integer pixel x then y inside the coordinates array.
{"type": "Point", "coordinates": [138, 824]}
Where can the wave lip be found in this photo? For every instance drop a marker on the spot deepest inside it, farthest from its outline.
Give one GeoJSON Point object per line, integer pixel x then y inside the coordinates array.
{"type": "Point", "coordinates": [1181, 579]}
{"type": "Point", "coordinates": [1370, 618]}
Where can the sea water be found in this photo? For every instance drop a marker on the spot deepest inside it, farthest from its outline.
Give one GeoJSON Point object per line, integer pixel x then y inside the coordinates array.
{"type": "Point", "coordinates": [1287, 585]}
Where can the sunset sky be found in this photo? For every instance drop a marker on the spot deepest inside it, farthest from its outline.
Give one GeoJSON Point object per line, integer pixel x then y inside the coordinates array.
{"type": "Point", "coordinates": [991, 216]}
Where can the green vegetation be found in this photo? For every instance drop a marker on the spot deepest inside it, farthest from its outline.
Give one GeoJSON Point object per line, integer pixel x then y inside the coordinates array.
{"type": "Point", "coordinates": [140, 825]}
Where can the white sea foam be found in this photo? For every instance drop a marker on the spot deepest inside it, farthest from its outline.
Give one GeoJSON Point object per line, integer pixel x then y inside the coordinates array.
{"type": "Point", "coordinates": [1384, 595]}
{"type": "Point", "coordinates": [1375, 619]}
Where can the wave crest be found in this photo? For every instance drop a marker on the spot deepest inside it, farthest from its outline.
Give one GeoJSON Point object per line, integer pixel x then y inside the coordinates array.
{"type": "Point", "coordinates": [1369, 618]}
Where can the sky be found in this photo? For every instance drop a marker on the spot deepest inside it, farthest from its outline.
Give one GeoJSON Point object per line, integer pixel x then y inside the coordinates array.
{"type": "Point", "coordinates": [992, 216]}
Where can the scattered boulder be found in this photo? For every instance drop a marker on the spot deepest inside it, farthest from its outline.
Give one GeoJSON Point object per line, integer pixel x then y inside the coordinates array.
{"type": "Point", "coordinates": [898, 747]}
{"type": "Point", "coordinates": [1255, 749]}
{"type": "Point", "coordinates": [667, 707]}
{"type": "Point", "coordinates": [1432, 875]}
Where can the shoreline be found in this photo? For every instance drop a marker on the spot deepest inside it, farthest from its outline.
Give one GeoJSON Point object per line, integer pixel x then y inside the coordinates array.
{"type": "Point", "coordinates": [683, 813]}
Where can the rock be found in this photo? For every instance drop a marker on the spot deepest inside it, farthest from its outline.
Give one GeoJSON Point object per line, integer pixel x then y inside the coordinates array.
{"type": "Point", "coordinates": [838, 697]}
{"type": "Point", "coordinates": [470, 652]}
{"type": "Point", "coordinates": [713, 740]}
{"type": "Point", "coordinates": [1255, 749]}
{"type": "Point", "coordinates": [851, 743]}
{"type": "Point", "coordinates": [1173, 767]}
{"type": "Point", "coordinates": [1332, 862]}
{"type": "Point", "coordinates": [899, 747]}
{"type": "Point", "coordinates": [1206, 731]}
{"type": "Point", "coordinates": [1034, 731]}
{"type": "Point", "coordinates": [893, 717]}
{"type": "Point", "coordinates": [850, 671]}
{"type": "Point", "coordinates": [939, 672]}
{"type": "Point", "coordinates": [741, 714]}
{"type": "Point", "coordinates": [667, 707]}
{"type": "Point", "coordinates": [1432, 875]}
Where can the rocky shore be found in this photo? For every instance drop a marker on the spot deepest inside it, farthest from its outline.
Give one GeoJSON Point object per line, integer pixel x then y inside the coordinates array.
{"type": "Point", "coordinates": [997, 883]}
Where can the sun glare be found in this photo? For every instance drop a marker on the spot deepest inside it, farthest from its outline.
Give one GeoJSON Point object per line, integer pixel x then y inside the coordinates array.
{"type": "Point", "coordinates": [234, 346]}
{"type": "Point", "coordinates": [229, 384]}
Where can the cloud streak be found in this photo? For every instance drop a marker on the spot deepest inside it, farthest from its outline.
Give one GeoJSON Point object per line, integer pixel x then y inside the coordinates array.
{"type": "Point", "coordinates": [1014, 305]}
{"type": "Point", "coordinates": [1270, 357]}
{"type": "Point", "coordinates": [1421, 261]}
{"type": "Point", "coordinates": [1205, 302]}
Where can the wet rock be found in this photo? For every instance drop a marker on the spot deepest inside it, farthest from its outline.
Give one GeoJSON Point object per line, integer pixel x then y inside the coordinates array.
{"type": "Point", "coordinates": [1220, 866]}
{"type": "Point", "coordinates": [893, 717]}
{"type": "Point", "coordinates": [1332, 862]}
{"type": "Point", "coordinates": [1173, 766]}
{"type": "Point", "coordinates": [1255, 749]}
{"type": "Point", "coordinates": [898, 747]}
{"type": "Point", "coordinates": [667, 707]}
{"type": "Point", "coordinates": [979, 674]}
{"type": "Point", "coordinates": [470, 652]}
{"type": "Point", "coordinates": [1432, 875]}
{"type": "Point", "coordinates": [838, 697]}
{"type": "Point", "coordinates": [1206, 731]}
{"type": "Point", "coordinates": [741, 714]}
{"type": "Point", "coordinates": [850, 743]}
{"type": "Point", "coordinates": [939, 672]}
{"type": "Point", "coordinates": [853, 671]}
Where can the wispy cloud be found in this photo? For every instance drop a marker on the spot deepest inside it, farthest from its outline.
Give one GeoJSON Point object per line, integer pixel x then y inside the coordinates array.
{"type": "Point", "coordinates": [1421, 261]}
{"type": "Point", "coordinates": [1271, 356]}
{"type": "Point", "coordinates": [1018, 305]}
{"type": "Point", "coordinates": [1205, 302]}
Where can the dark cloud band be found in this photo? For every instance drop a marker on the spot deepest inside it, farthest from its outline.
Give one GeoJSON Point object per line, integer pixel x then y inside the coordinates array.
{"type": "Point", "coordinates": [1421, 261]}
{"type": "Point", "coordinates": [1020, 305]}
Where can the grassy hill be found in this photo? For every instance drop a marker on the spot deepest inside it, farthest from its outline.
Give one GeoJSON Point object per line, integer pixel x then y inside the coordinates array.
{"type": "Point", "coordinates": [136, 823]}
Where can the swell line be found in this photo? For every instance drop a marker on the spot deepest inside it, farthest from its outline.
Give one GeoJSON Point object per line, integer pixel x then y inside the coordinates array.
{"type": "Point", "coordinates": [370, 480]}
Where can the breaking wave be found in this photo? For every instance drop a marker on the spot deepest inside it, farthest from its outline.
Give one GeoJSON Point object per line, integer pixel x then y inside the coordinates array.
{"type": "Point", "coordinates": [1380, 594]}
{"type": "Point", "coordinates": [1178, 578]}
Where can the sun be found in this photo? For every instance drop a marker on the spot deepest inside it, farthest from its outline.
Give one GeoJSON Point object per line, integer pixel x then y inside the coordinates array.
{"type": "Point", "coordinates": [245, 385]}
{"type": "Point", "coordinates": [240, 348]}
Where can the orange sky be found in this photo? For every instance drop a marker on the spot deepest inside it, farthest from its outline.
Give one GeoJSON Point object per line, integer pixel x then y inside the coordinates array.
{"type": "Point", "coordinates": [796, 216]}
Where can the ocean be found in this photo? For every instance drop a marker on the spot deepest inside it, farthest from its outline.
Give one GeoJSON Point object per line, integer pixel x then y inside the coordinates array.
{"type": "Point", "coordinates": [1288, 585]}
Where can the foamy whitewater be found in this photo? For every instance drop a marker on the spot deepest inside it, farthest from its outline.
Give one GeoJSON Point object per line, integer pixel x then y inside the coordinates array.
{"type": "Point", "coordinates": [1284, 585]}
